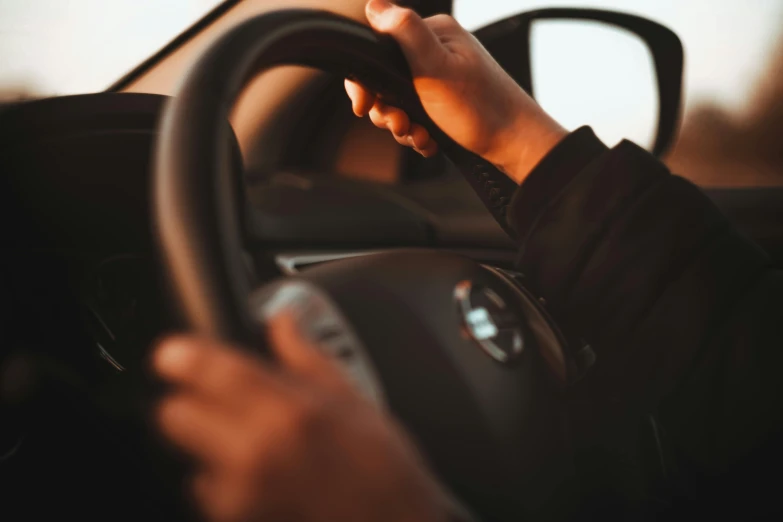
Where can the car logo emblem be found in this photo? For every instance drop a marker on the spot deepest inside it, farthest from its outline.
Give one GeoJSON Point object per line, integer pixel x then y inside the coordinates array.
{"type": "Point", "coordinates": [486, 319]}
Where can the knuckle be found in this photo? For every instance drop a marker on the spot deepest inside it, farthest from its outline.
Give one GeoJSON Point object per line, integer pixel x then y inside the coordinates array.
{"type": "Point", "coordinates": [443, 20]}
{"type": "Point", "coordinates": [399, 123]}
{"type": "Point", "coordinates": [404, 18]}
{"type": "Point", "coordinates": [444, 23]}
{"type": "Point", "coordinates": [402, 140]}
{"type": "Point", "coordinates": [377, 119]}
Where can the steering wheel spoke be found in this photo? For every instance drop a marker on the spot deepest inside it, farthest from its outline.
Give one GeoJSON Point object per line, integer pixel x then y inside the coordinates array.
{"type": "Point", "coordinates": [321, 321]}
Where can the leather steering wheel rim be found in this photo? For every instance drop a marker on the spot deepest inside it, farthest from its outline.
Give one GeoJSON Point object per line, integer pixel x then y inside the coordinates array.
{"type": "Point", "coordinates": [197, 212]}
{"type": "Point", "coordinates": [195, 188]}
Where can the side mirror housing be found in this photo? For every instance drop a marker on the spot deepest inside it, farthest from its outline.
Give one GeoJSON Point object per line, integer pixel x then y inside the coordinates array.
{"type": "Point", "coordinates": [511, 42]}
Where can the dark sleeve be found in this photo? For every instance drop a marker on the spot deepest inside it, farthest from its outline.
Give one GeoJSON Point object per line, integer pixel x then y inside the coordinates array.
{"type": "Point", "coordinates": [683, 313]}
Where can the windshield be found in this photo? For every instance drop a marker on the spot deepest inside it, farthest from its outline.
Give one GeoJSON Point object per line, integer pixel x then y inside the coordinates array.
{"type": "Point", "coordinates": [55, 47]}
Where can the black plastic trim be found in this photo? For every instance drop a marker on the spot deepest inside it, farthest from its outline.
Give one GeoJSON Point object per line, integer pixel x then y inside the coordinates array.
{"type": "Point", "coordinates": [502, 38]}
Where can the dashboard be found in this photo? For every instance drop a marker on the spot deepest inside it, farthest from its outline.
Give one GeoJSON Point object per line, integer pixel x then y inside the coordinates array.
{"type": "Point", "coordinates": [75, 194]}
{"type": "Point", "coordinates": [83, 295]}
{"type": "Point", "coordinates": [75, 202]}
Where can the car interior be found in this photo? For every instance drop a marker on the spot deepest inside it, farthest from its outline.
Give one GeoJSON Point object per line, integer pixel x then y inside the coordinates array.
{"type": "Point", "coordinates": [228, 168]}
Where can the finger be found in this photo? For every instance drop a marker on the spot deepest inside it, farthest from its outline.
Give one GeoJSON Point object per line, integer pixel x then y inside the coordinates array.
{"type": "Point", "coordinates": [203, 490]}
{"type": "Point", "coordinates": [421, 47]}
{"type": "Point", "coordinates": [430, 149]}
{"type": "Point", "coordinates": [362, 100]}
{"type": "Point", "coordinates": [390, 118]}
{"type": "Point", "coordinates": [290, 346]}
{"type": "Point", "coordinates": [443, 25]}
{"type": "Point", "coordinates": [299, 354]}
{"type": "Point", "coordinates": [196, 426]}
{"type": "Point", "coordinates": [405, 140]}
{"type": "Point", "coordinates": [377, 118]}
{"type": "Point", "coordinates": [210, 368]}
{"type": "Point", "coordinates": [419, 135]}
{"type": "Point", "coordinates": [396, 120]}
{"type": "Point", "coordinates": [222, 498]}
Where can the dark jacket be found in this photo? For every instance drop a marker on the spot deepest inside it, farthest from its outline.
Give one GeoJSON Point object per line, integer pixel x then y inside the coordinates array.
{"type": "Point", "coordinates": [681, 412]}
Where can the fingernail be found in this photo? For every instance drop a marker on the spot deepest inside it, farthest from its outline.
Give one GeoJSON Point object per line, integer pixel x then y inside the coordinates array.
{"type": "Point", "coordinates": [376, 8]}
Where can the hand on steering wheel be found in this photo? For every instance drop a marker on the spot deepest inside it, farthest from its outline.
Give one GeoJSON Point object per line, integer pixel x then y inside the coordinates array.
{"type": "Point", "coordinates": [463, 89]}
{"type": "Point", "coordinates": [293, 442]}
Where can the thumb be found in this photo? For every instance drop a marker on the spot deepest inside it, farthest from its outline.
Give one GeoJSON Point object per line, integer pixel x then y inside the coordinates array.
{"type": "Point", "coordinates": [421, 47]}
{"type": "Point", "coordinates": [300, 354]}
{"type": "Point", "coordinates": [291, 347]}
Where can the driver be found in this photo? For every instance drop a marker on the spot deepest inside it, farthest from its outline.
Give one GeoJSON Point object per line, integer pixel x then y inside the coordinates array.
{"type": "Point", "coordinates": [683, 312]}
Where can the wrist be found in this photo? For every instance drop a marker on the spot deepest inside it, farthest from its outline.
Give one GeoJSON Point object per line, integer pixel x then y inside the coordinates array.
{"type": "Point", "coordinates": [525, 142]}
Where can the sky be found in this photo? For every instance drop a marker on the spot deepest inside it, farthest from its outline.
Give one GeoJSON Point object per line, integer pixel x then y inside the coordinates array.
{"type": "Point", "coordinates": [71, 46]}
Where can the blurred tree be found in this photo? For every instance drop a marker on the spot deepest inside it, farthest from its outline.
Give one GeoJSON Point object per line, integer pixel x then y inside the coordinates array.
{"type": "Point", "coordinates": [716, 149]}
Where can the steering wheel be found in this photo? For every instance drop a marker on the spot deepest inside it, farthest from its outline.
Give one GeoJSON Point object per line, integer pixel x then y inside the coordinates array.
{"type": "Point", "coordinates": [462, 354]}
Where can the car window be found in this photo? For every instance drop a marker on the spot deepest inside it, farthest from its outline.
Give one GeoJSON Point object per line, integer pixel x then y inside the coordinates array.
{"type": "Point", "coordinates": [733, 86]}
{"type": "Point", "coordinates": [56, 47]}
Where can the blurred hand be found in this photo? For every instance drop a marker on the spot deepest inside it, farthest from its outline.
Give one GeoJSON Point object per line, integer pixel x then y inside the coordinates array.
{"type": "Point", "coordinates": [293, 442]}
{"type": "Point", "coordinates": [463, 89]}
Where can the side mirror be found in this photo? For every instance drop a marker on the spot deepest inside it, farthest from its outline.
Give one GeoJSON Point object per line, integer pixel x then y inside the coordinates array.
{"type": "Point", "coordinates": [595, 67]}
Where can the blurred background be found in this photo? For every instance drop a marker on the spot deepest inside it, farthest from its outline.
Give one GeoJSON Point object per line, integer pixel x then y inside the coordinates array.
{"type": "Point", "coordinates": [732, 120]}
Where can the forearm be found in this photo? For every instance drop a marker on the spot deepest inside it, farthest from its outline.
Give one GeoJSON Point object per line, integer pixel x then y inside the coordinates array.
{"type": "Point", "coordinates": [678, 306]}
{"type": "Point", "coordinates": [609, 237]}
